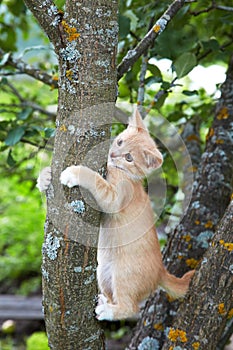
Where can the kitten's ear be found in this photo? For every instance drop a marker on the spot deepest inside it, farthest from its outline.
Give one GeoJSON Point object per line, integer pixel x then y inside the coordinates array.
{"type": "Point", "coordinates": [154, 159]}
{"type": "Point", "coordinates": [136, 121]}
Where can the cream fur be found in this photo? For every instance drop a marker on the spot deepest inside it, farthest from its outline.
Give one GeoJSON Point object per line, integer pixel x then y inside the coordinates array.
{"type": "Point", "coordinates": [130, 264]}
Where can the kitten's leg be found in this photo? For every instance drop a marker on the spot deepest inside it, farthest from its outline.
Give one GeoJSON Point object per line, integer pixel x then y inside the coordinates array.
{"type": "Point", "coordinates": [124, 308]}
{"type": "Point", "coordinates": [44, 179]}
{"type": "Point", "coordinates": [106, 195]}
{"type": "Point", "coordinates": [110, 312]}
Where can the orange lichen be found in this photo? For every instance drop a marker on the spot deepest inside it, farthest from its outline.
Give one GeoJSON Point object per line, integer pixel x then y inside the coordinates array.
{"type": "Point", "coordinates": [221, 309]}
{"type": "Point", "coordinates": [177, 334]}
{"type": "Point", "coordinates": [209, 224]}
{"type": "Point", "coordinates": [227, 245]}
{"type": "Point", "coordinates": [196, 345]}
{"type": "Point", "coordinates": [54, 78]}
{"type": "Point", "coordinates": [159, 326]}
{"type": "Point", "coordinates": [223, 114]}
{"type": "Point", "coordinates": [187, 238]}
{"type": "Point", "coordinates": [192, 263]}
{"type": "Point", "coordinates": [69, 74]}
{"type": "Point", "coordinates": [210, 133]}
{"type": "Point", "coordinates": [230, 314]}
{"type": "Point", "coordinates": [71, 31]}
{"type": "Point", "coordinates": [63, 128]}
{"type": "Point", "coordinates": [156, 28]}
{"type": "Point", "coordinates": [219, 141]}
{"type": "Point", "coordinates": [197, 222]}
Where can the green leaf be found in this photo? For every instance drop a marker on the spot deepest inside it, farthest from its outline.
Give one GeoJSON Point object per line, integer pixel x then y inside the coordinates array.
{"type": "Point", "coordinates": [25, 113]}
{"type": "Point", "coordinates": [124, 26]}
{"type": "Point", "coordinates": [10, 160]}
{"type": "Point", "coordinates": [212, 44]}
{"type": "Point", "coordinates": [3, 81]}
{"type": "Point", "coordinates": [152, 80]}
{"type": "Point", "coordinates": [154, 70]}
{"type": "Point", "coordinates": [14, 136]}
{"type": "Point", "coordinates": [49, 132]}
{"type": "Point", "coordinates": [4, 59]}
{"type": "Point", "coordinates": [184, 64]}
{"type": "Point", "coordinates": [165, 85]}
{"type": "Point", "coordinates": [190, 93]}
{"type": "Point", "coordinates": [161, 101]}
{"type": "Point", "coordinates": [133, 19]}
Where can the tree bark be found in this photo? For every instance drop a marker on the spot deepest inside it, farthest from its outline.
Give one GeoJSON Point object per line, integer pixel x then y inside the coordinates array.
{"type": "Point", "coordinates": [204, 313]}
{"type": "Point", "coordinates": [211, 195]}
{"type": "Point", "coordinates": [85, 40]}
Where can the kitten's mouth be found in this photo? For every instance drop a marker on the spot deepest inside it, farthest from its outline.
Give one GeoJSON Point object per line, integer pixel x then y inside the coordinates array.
{"type": "Point", "coordinates": [112, 163]}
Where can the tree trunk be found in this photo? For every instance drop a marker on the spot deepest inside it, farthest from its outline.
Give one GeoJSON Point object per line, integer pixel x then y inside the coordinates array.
{"type": "Point", "coordinates": [85, 40]}
{"type": "Point", "coordinates": [203, 315]}
{"type": "Point", "coordinates": [211, 195]}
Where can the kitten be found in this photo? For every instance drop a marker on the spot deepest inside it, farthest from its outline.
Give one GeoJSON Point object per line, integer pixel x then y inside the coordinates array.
{"type": "Point", "coordinates": [130, 264]}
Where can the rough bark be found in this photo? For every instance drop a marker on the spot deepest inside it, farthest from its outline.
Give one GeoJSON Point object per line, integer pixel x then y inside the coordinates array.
{"type": "Point", "coordinates": [211, 196]}
{"type": "Point", "coordinates": [85, 40]}
{"type": "Point", "coordinates": [204, 313]}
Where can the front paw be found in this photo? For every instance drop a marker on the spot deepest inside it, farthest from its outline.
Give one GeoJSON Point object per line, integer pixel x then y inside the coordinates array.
{"type": "Point", "coordinates": [70, 176]}
{"type": "Point", "coordinates": [44, 179]}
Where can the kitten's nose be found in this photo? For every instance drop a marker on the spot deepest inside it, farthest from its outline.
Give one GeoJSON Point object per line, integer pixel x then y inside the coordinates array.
{"type": "Point", "coordinates": [113, 155]}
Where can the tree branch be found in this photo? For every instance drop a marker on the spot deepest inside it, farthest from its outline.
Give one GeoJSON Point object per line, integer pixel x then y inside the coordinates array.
{"type": "Point", "coordinates": [25, 103]}
{"type": "Point", "coordinates": [214, 6]}
{"type": "Point", "coordinates": [25, 68]}
{"type": "Point", "coordinates": [30, 104]}
{"type": "Point", "coordinates": [160, 25]}
{"type": "Point", "coordinates": [48, 17]}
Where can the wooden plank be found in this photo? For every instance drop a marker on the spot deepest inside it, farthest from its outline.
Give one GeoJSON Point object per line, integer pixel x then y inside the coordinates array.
{"type": "Point", "coordinates": [20, 307]}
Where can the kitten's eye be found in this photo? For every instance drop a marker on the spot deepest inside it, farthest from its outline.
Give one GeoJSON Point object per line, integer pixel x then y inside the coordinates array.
{"type": "Point", "coordinates": [119, 142]}
{"type": "Point", "coordinates": [128, 157]}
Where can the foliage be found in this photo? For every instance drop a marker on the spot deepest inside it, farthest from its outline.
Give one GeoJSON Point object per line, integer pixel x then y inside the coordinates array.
{"type": "Point", "coordinates": [21, 235]}
{"type": "Point", "coordinates": [37, 341]}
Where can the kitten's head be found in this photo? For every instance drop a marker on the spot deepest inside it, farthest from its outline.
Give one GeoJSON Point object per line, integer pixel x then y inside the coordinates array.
{"type": "Point", "coordinates": [134, 151]}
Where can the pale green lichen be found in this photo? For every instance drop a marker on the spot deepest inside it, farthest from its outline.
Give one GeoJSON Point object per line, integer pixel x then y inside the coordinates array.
{"type": "Point", "coordinates": [78, 269]}
{"type": "Point", "coordinates": [149, 343]}
{"type": "Point", "coordinates": [45, 274]}
{"type": "Point", "coordinates": [78, 206]}
{"type": "Point", "coordinates": [89, 280]}
{"type": "Point", "coordinates": [51, 246]}
{"type": "Point", "coordinates": [204, 238]}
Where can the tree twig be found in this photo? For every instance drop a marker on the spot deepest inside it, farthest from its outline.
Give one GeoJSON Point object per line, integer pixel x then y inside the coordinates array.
{"type": "Point", "coordinates": [133, 55]}
{"type": "Point", "coordinates": [30, 104]}
{"type": "Point", "coordinates": [214, 6]}
{"type": "Point", "coordinates": [25, 68]}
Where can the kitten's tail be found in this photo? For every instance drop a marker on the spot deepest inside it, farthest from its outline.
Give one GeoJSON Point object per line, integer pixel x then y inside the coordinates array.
{"type": "Point", "coordinates": [176, 287]}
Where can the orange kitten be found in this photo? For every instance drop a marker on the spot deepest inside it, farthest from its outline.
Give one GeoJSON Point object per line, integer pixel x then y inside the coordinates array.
{"type": "Point", "coordinates": [130, 264]}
